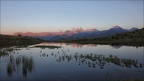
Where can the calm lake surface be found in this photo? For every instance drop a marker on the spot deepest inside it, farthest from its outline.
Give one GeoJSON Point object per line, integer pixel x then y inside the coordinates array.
{"type": "Point", "coordinates": [72, 62]}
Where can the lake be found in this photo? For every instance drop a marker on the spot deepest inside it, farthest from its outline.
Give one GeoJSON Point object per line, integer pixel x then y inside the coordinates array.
{"type": "Point", "coordinates": [71, 61]}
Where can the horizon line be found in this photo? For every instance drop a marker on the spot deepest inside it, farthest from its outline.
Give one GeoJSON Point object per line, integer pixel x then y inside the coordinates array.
{"type": "Point", "coordinates": [66, 30]}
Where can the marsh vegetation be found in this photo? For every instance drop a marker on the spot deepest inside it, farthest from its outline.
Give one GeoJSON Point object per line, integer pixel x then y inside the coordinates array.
{"type": "Point", "coordinates": [93, 60]}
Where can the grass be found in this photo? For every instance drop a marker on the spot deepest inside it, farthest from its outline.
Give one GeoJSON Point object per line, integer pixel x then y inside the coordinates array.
{"type": "Point", "coordinates": [101, 60]}
{"type": "Point", "coordinates": [6, 51]}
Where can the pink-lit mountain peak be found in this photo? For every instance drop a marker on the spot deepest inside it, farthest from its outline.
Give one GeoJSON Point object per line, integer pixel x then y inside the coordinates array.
{"type": "Point", "coordinates": [77, 29]}
{"type": "Point", "coordinates": [82, 30]}
{"type": "Point", "coordinates": [116, 26]}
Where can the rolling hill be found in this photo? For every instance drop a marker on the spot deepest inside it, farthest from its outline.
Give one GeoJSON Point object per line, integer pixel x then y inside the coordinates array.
{"type": "Point", "coordinates": [7, 40]}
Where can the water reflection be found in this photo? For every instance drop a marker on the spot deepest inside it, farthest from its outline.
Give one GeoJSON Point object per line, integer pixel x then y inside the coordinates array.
{"type": "Point", "coordinates": [116, 47]}
{"type": "Point", "coordinates": [23, 63]}
{"type": "Point", "coordinates": [76, 45]}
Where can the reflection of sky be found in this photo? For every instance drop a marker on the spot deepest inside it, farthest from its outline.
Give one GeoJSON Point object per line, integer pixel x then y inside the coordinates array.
{"type": "Point", "coordinates": [122, 51]}
{"type": "Point", "coordinates": [49, 68]}
{"type": "Point", "coordinates": [43, 16]}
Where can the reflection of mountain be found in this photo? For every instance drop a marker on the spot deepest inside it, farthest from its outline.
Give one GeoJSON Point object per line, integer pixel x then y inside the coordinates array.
{"type": "Point", "coordinates": [76, 33]}
{"type": "Point", "coordinates": [91, 45]}
{"type": "Point", "coordinates": [116, 47]}
{"type": "Point", "coordinates": [26, 64]}
{"type": "Point", "coordinates": [75, 45]}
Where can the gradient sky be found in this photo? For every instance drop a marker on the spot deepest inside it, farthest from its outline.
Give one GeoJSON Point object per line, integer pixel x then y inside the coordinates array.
{"type": "Point", "coordinates": [44, 16]}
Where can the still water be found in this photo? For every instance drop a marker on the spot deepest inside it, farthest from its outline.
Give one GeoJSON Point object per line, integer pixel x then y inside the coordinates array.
{"type": "Point", "coordinates": [72, 62]}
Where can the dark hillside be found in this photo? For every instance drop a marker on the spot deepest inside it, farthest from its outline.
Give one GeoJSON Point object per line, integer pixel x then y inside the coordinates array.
{"type": "Point", "coordinates": [135, 38]}
{"type": "Point", "coordinates": [7, 40]}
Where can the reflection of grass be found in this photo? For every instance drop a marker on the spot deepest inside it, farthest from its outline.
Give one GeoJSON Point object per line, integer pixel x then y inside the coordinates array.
{"type": "Point", "coordinates": [18, 61]}
{"type": "Point", "coordinates": [50, 47]}
{"type": "Point", "coordinates": [27, 64]}
{"type": "Point", "coordinates": [10, 69]}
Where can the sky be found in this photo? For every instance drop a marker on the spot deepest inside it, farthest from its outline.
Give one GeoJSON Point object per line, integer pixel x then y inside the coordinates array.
{"type": "Point", "coordinates": [53, 16]}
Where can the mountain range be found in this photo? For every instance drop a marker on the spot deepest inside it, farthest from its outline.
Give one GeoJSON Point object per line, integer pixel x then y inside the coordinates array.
{"type": "Point", "coordinates": [76, 33]}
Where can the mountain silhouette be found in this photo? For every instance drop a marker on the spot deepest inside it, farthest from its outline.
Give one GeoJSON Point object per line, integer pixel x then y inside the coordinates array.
{"type": "Point", "coordinates": [76, 33]}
